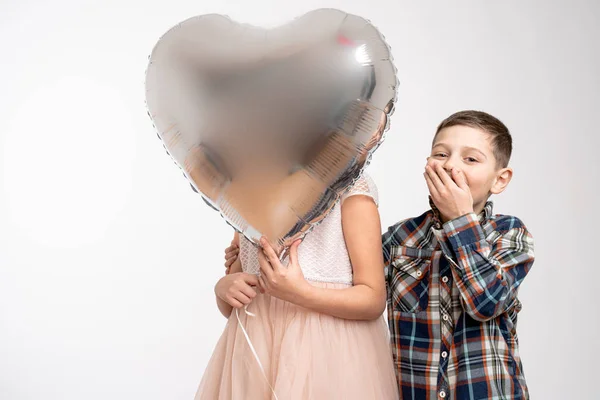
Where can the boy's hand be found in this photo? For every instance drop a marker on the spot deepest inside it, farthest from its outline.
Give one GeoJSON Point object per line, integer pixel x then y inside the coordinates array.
{"type": "Point", "coordinates": [451, 195]}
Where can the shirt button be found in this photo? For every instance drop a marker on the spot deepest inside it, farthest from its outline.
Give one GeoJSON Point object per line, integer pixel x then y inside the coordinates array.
{"type": "Point", "coordinates": [442, 394]}
{"type": "Point", "coordinates": [445, 317]}
{"type": "Point", "coordinates": [419, 273]}
{"type": "Point", "coordinates": [445, 279]}
{"type": "Point", "coordinates": [444, 354]}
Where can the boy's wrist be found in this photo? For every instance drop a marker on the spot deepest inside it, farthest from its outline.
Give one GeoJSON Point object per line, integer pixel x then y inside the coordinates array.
{"type": "Point", "coordinates": [461, 211]}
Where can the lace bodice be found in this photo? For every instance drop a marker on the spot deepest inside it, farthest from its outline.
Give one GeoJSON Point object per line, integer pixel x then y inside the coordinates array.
{"type": "Point", "coordinates": [322, 255]}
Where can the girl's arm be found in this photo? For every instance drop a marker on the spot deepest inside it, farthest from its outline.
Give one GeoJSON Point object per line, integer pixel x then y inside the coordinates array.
{"type": "Point", "coordinates": [223, 306]}
{"type": "Point", "coordinates": [366, 299]}
{"type": "Point", "coordinates": [236, 288]}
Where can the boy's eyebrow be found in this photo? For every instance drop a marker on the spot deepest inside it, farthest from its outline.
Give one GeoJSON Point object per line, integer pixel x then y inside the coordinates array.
{"type": "Point", "coordinates": [476, 150]}
{"type": "Point", "coordinates": [465, 148]}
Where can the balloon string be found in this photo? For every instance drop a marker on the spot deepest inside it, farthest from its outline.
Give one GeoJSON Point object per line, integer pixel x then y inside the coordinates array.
{"type": "Point", "coordinates": [252, 347]}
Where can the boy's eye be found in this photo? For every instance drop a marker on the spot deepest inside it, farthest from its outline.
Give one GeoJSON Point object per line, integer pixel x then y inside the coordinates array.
{"type": "Point", "coordinates": [471, 159]}
{"type": "Point", "coordinates": [440, 155]}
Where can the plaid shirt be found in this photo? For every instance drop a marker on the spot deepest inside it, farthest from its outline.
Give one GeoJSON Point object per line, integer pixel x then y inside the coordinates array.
{"type": "Point", "coordinates": [452, 305]}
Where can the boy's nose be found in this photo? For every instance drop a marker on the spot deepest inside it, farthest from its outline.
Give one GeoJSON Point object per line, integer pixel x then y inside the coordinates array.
{"type": "Point", "coordinates": [448, 165]}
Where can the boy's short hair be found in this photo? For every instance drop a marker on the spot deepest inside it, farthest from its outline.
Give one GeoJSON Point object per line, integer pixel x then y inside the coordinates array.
{"type": "Point", "coordinates": [501, 139]}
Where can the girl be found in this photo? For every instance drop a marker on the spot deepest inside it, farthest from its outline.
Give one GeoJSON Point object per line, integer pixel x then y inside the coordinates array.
{"type": "Point", "coordinates": [315, 324]}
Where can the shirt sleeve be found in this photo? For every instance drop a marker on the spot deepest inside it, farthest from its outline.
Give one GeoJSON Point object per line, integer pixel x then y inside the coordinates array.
{"type": "Point", "coordinates": [488, 273]}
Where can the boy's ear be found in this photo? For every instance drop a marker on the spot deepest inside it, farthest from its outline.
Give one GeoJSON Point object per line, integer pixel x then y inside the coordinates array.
{"type": "Point", "coordinates": [503, 178]}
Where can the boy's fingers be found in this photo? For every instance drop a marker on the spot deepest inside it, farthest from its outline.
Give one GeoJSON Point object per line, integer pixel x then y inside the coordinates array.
{"type": "Point", "coordinates": [461, 179]}
{"type": "Point", "coordinates": [432, 189]}
{"type": "Point", "coordinates": [435, 179]}
{"type": "Point", "coordinates": [445, 178]}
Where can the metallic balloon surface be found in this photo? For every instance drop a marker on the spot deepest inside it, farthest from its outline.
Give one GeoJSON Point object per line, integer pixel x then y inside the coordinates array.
{"type": "Point", "coordinates": [271, 126]}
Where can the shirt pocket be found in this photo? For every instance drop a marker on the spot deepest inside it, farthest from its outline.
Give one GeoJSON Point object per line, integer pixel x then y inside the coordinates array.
{"type": "Point", "coordinates": [410, 279]}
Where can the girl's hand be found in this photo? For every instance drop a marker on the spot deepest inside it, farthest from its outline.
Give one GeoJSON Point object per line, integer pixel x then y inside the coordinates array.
{"type": "Point", "coordinates": [277, 280]}
{"type": "Point", "coordinates": [231, 254]}
{"type": "Point", "coordinates": [237, 289]}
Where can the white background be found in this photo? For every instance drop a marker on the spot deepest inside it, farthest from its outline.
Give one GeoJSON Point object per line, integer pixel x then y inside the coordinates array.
{"type": "Point", "coordinates": [108, 259]}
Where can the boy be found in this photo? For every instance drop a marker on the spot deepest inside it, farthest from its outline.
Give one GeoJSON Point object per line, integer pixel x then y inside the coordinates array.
{"type": "Point", "coordinates": [453, 273]}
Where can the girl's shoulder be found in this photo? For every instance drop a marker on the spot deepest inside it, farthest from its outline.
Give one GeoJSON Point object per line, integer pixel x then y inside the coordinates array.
{"type": "Point", "coordinates": [364, 185]}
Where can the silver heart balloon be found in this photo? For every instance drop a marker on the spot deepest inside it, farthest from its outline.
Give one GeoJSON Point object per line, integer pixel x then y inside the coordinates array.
{"type": "Point", "coordinates": [272, 126]}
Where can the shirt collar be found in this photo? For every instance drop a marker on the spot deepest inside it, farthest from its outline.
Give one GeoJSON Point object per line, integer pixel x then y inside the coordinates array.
{"type": "Point", "coordinates": [483, 216]}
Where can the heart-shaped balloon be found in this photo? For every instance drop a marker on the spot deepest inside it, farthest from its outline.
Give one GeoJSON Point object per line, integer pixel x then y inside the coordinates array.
{"type": "Point", "coordinates": [272, 126]}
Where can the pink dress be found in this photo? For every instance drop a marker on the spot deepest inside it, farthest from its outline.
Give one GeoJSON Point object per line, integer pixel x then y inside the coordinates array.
{"type": "Point", "coordinates": [304, 354]}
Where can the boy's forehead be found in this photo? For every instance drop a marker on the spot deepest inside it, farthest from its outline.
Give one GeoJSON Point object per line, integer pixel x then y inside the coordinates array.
{"type": "Point", "coordinates": [464, 136]}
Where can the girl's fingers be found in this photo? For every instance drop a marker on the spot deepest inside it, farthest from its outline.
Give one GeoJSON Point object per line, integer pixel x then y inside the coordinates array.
{"type": "Point", "coordinates": [248, 291]}
{"type": "Point", "coordinates": [294, 252]}
{"type": "Point", "coordinates": [234, 303]}
{"type": "Point", "coordinates": [265, 266]}
{"type": "Point", "coordinates": [242, 298]}
{"type": "Point", "coordinates": [270, 253]}
{"type": "Point", "coordinates": [262, 285]}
